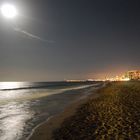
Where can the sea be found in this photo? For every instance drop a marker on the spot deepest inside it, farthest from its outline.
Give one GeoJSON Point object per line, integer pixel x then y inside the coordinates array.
{"type": "Point", "coordinates": [25, 105]}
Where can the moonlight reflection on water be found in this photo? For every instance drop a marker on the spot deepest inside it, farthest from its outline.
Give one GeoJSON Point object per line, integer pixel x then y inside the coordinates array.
{"type": "Point", "coordinates": [23, 106]}
{"type": "Point", "coordinates": [10, 85]}
{"type": "Point", "coordinates": [12, 119]}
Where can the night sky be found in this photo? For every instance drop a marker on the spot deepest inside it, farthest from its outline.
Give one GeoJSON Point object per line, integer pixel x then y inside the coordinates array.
{"type": "Point", "coordinates": [86, 39]}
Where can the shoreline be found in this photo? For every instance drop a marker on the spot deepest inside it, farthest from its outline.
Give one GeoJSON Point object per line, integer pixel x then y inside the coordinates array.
{"type": "Point", "coordinates": [44, 130]}
{"type": "Point", "coordinates": [35, 128]}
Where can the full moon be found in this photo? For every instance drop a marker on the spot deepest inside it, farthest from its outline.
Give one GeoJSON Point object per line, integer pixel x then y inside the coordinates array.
{"type": "Point", "coordinates": [8, 11]}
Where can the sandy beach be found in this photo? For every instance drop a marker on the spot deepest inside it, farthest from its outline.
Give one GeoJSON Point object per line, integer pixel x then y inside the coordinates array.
{"type": "Point", "coordinates": [114, 115]}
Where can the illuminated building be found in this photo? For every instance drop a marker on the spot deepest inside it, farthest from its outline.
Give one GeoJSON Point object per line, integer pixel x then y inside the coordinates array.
{"type": "Point", "coordinates": [133, 75]}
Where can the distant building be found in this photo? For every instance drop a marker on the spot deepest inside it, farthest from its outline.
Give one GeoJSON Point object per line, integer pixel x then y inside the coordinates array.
{"type": "Point", "coordinates": [133, 75]}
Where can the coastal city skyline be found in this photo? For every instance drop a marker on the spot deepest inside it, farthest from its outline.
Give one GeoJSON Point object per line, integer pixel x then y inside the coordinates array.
{"type": "Point", "coordinates": [127, 76]}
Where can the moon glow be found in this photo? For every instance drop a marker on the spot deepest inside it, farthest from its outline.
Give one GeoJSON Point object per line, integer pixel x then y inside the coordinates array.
{"type": "Point", "coordinates": [9, 11]}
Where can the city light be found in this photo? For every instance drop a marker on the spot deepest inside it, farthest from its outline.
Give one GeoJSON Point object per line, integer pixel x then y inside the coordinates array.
{"type": "Point", "coordinates": [127, 76]}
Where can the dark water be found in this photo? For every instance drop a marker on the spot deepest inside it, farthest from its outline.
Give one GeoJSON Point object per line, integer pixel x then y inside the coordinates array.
{"type": "Point", "coordinates": [24, 105]}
